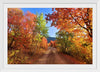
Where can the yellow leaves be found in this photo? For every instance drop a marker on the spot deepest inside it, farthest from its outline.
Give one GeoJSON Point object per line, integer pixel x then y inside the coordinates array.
{"type": "Point", "coordinates": [73, 39]}
{"type": "Point", "coordinates": [17, 51]}
{"type": "Point", "coordinates": [66, 49]}
{"type": "Point", "coordinates": [89, 47]}
{"type": "Point", "coordinates": [12, 32]}
{"type": "Point", "coordinates": [81, 39]}
{"type": "Point", "coordinates": [12, 54]}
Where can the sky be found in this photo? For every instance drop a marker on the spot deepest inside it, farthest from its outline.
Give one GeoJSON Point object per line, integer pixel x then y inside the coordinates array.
{"type": "Point", "coordinates": [52, 30]}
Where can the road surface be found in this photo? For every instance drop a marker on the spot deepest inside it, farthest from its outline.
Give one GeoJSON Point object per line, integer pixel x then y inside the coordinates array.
{"type": "Point", "coordinates": [53, 57]}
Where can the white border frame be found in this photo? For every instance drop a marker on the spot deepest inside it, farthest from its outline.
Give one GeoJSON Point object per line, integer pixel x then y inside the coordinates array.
{"type": "Point", "coordinates": [62, 66]}
{"type": "Point", "coordinates": [4, 68]}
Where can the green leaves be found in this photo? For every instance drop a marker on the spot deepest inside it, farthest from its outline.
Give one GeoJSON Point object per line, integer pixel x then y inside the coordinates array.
{"type": "Point", "coordinates": [41, 25]}
{"type": "Point", "coordinates": [63, 39]}
{"type": "Point", "coordinates": [26, 35]}
{"type": "Point", "coordinates": [38, 37]}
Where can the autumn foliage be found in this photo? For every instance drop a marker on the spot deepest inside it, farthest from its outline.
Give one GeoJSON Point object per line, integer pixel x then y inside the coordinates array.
{"type": "Point", "coordinates": [52, 44]}
{"type": "Point", "coordinates": [44, 43]}
{"type": "Point", "coordinates": [24, 35]}
{"type": "Point", "coordinates": [77, 21]}
{"type": "Point", "coordinates": [27, 34]}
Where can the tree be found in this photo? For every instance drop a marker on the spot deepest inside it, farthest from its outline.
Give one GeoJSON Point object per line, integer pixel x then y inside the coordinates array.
{"type": "Point", "coordinates": [20, 28]}
{"type": "Point", "coordinates": [44, 43]}
{"type": "Point", "coordinates": [73, 20]}
{"type": "Point", "coordinates": [14, 22]}
{"type": "Point", "coordinates": [27, 29]}
{"type": "Point", "coordinates": [41, 25]}
{"type": "Point", "coordinates": [52, 44]}
{"type": "Point", "coordinates": [64, 40]}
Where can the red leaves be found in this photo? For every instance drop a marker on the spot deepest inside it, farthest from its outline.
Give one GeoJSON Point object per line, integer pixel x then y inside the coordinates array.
{"type": "Point", "coordinates": [68, 18]}
{"type": "Point", "coordinates": [21, 25]}
{"type": "Point", "coordinates": [52, 9]}
{"type": "Point", "coordinates": [14, 16]}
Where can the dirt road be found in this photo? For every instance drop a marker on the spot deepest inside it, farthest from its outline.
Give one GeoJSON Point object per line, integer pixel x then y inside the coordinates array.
{"type": "Point", "coordinates": [53, 57]}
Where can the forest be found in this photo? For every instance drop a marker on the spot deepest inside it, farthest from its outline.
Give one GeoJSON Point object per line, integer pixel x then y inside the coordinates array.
{"type": "Point", "coordinates": [28, 35]}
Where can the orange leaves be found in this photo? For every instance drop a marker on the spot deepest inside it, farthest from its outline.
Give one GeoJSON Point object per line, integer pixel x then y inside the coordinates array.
{"type": "Point", "coordinates": [20, 27]}
{"type": "Point", "coordinates": [29, 20]}
{"type": "Point", "coordinates": [14, 16]}
{"type": "Point", "coordinates": [79, 22]}
{"type": "Point", "coordinates": [44, 43]}
{"type": "Point", "coordinates": [74, 20]}
{"type": "Point", "coordinates": [68, 18]}
{"type": "Point", "coordinates": [52, 43]}
{"type": "Point", "coordinates": [76, 30]}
